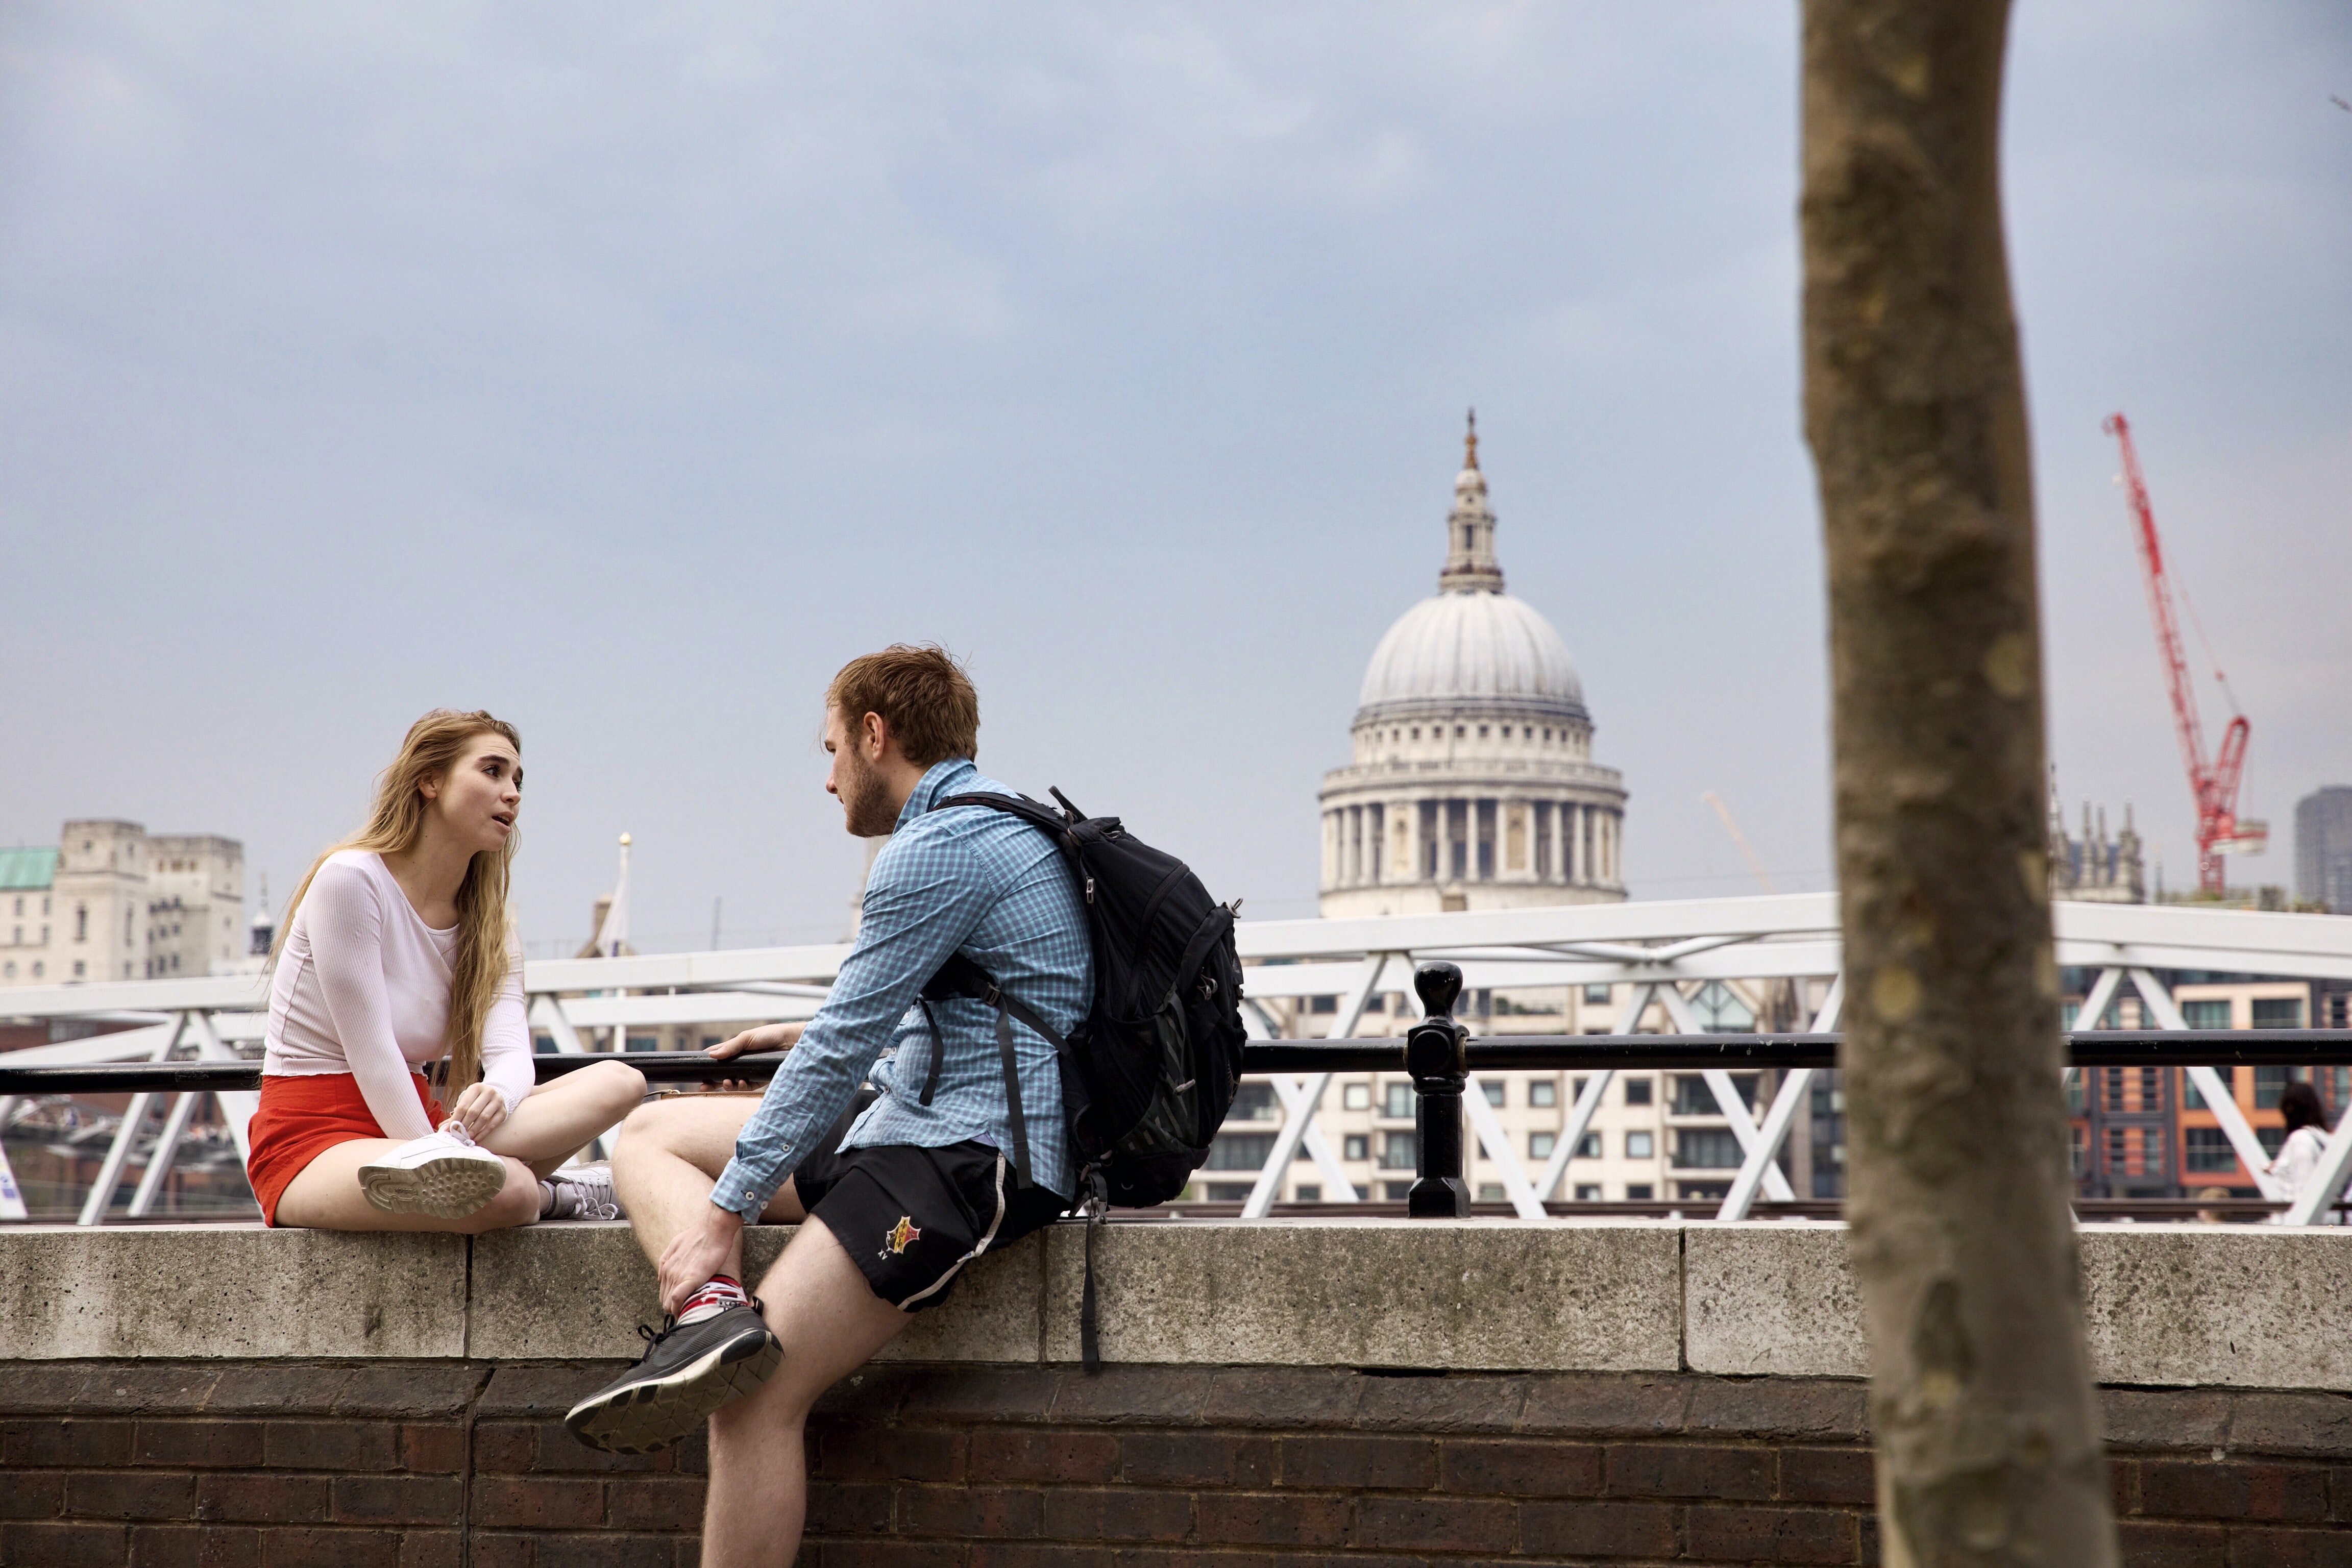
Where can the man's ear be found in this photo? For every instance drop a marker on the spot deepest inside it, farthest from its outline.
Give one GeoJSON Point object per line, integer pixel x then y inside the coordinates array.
{"type": "Point", "coordinates": [877, 737]}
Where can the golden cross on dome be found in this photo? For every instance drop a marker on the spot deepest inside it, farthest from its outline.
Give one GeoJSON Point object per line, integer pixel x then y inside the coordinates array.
{"type": "Point", "coordinates": [1470, 444]}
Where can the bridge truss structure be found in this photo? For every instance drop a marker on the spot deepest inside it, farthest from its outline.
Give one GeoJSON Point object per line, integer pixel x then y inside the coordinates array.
{"type": "Point", "coordinates": [1662, 951]}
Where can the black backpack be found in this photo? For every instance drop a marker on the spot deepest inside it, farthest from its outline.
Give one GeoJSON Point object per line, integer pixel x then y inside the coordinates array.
{"type": "Point", "coordinates": [1150, 1074]}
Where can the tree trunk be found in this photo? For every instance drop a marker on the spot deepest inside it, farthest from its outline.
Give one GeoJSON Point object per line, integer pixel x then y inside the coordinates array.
{"type": "Point", "coordinates": [1914, 406]}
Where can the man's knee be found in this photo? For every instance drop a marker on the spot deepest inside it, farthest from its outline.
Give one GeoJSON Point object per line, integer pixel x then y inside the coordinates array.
{"type": "Point", "coordinates": [646, 1127]}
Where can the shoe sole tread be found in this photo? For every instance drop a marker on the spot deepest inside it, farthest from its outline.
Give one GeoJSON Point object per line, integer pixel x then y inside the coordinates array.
{"type": "Point", "coordinates": [447, 1187]}
{"type": "Point", "coordinates": [648, 1417]}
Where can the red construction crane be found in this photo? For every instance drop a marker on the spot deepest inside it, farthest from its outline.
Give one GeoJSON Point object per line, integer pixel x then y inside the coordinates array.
{"type": "Point", "coordinates": [2214, 786]}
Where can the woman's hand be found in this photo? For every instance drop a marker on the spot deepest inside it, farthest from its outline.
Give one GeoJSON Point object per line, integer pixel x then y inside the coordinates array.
{"type": "Point", "coordinates": [766, 1038]}
{"type": "Point", "coordinates": [479, 1110]}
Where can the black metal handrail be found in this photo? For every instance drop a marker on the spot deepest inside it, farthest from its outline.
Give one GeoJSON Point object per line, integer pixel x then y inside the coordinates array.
{"type": "Point", "coordinates": [1483, 1053]}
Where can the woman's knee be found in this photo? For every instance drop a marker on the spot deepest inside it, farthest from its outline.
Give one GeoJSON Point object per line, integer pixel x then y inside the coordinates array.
{"type": "Point", "coordinates": [623, 1084]}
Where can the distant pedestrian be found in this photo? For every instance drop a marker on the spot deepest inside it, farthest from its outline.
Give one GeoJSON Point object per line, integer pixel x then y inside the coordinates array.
{"type": "Point", "coordinates": [397, 953]}
{"type": "Point", "coordinates": [2307, 1138]}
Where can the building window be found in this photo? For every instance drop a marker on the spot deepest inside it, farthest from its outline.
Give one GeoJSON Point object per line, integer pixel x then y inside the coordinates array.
{"type": "Point", "coordinates": [38, 968]}
{"type": "Point", "coordinates": [1323, 1005]}
{"type": "Point", "coordinates": [1493, 1088]}
{"type": "Point", "coordinates": [2208, 1149]}
{"type": "Point", "coordinates": [1491, 1193]}
{"type": "Point", "coordinates": [2269, 1084]}
{"type": "Point", "coordinates": [1588, 1146]}
{"type": "Point", "coordinates": [1689, 1096]}
{"type": "Point", "coordinates": [1240, 1151]}
{"type": "Point", "coordinates": [2278, 1012]}
{"type": "Point", "coordinates": [1356, 1146]}
{"type": "Point", "coordinates": [2209, 1013]}
{"type": "Point", "coordinates": [1543, 1092]}
{"type": "Point", "coordinates": [1638, 1090]}
{"type": "Point", "coordinates": [80, 969]}
{"type": "Point", "coordinates": [1706, 1149]}
{"type": "Point", "coordinates": [1396, 1192]}
{"type": "Point", "coordinates": [1253, 1102]}
{"type": "Point", "coordinates": [1639, 1192]}
{"type": "Point", "coordinates": [1587, 1192]}
{"type": "Point", "coordinates": [1399, 1103]}
{"type": "Point", "coordinates": [1357, 1096]}
{"type": "Point", "coordinates": [1640, 1146]}
{"type": "Point", "coordinates": [1596, 995]}
{"type": "Point", "coordinates": [1308, 1192]}
{"type": "Point", "coordinates": [1540, 1145]}
{"type": "Point", "coordinates": [10, 970]}
{"type": "Point", "coordinates": [81, 922]}
{"type": "Point", "coordinates": [1720, 1011]}
{"type": "Point", "coordinates": [1397, 1151]}
{"type": "Point", "coordinates": [2135, 1152]}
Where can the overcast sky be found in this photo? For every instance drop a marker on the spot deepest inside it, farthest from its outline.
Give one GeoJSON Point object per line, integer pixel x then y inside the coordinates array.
{"type": "Point", "coordinates": [625, 370]}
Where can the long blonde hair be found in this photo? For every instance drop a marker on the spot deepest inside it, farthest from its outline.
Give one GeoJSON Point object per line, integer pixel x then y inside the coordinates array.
{"type": "Point", "coordinates": [435, 746]}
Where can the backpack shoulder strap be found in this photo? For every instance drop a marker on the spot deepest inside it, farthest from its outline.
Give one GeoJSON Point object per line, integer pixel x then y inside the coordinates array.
{"type": "Point", "coordinates": [1036, 813]}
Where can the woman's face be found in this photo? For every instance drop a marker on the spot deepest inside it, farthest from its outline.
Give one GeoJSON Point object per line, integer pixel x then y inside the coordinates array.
{"type": "Point", "coordinates": [476, 805]}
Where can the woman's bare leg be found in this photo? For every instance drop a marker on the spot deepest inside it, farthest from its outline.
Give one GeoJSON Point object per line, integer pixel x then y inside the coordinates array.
{"type": "Point", "coordinates": [554, 1123]}
{"type": "Point", "coordinates": [327, 1196]}
{"type": "Point", "coordinates": [556, 1120]}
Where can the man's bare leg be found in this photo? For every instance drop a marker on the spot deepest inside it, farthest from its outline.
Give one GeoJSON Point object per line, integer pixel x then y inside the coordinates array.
{"type": "Point", "coordinates": [831, 1322]}
{"type": "Point", "coordinates": [668, 1160]}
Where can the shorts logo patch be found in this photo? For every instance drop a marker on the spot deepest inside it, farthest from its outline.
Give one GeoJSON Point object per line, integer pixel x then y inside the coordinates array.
{"type": "Point", "coordinates": [899, 1237]}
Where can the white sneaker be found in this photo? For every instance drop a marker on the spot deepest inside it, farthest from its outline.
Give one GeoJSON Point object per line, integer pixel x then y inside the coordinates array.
{"type": "Point", "coordinates": [442, 1174]}
{"type": "Point", "coordinates": [582, 1191]}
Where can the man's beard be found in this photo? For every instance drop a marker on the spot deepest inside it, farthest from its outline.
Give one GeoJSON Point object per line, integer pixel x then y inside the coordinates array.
{"type": "Point", "coordinates": [865, 798]}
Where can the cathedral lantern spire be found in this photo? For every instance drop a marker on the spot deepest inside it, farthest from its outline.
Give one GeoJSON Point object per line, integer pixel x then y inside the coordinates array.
{"type": "Point", "coordinates": [1470, 563]}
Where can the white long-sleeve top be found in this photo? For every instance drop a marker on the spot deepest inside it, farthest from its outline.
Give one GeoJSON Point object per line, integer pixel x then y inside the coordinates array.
{"type": "Point", "coordinates": [362, 988]}
{"type": "Point", "coordinates": [2297, 1163]}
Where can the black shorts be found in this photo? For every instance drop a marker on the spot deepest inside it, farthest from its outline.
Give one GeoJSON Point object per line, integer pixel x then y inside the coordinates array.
{"type": "Point", "coordinates": [913, 1218]}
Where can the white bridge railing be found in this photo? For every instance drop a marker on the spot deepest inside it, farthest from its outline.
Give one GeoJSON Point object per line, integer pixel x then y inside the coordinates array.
{"type": "Point", "coordinates": [1662, 951]}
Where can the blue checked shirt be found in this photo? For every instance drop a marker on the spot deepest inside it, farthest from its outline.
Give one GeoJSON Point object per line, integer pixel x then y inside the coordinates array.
{"type": "Point", "coordinates": [969, 880]}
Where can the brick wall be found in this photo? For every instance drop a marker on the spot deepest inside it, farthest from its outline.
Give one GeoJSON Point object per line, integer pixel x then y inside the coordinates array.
{"type": "Point", "coordinates": [415, 1465]}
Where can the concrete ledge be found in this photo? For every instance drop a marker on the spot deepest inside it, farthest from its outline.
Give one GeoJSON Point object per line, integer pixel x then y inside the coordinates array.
{"type": "Point", "coordinates": [2221, 1307]}
{"type": "Point", "coordinates": [606, 1288]}
{"type": "Point", "coordinates": [231, 1291]}
{"type": "Point", "coordinates": [1474, 1295]}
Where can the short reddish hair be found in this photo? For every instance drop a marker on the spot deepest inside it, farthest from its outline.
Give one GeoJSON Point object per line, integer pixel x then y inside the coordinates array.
{"type": "Point", "coordinates": [922, 693]}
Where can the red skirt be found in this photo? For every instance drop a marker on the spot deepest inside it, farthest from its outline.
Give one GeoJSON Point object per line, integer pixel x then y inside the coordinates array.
{"type": "Point", "coordinates": [302, 1117]}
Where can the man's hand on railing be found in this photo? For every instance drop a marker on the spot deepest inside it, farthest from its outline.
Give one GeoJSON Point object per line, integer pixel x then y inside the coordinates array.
{"type": "Point", "coordinates": [765, 1037]}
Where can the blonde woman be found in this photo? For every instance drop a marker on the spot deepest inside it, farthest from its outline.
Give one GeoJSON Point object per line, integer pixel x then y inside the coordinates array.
{"type": "Point", "coordinates": [396, 954]}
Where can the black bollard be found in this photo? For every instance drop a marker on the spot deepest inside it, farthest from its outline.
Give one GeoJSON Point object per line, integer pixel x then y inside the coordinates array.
{"type": "Point", "coordinates": [1434, 1054]}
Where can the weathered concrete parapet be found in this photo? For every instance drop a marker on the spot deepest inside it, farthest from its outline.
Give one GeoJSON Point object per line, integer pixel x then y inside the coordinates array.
{"type": "Point", "coordinates": [1467, 1295]}
{"type": "Point", "coordinates": [577, 1292]}
{"type": "Point", "coordinates": [2166, 1306]}
{"type": "Point", "coordinates": [2210, 1306]}
{"type": "Point", "coordinates": [228, 1290]}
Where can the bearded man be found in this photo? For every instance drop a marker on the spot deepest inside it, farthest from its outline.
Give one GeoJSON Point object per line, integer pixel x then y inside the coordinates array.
{"type": "Point", "coordinates": [941, 1165]}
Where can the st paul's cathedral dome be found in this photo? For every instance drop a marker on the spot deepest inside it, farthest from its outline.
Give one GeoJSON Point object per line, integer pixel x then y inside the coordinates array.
{"type": "Point", "coordinates": [1473, 786]}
